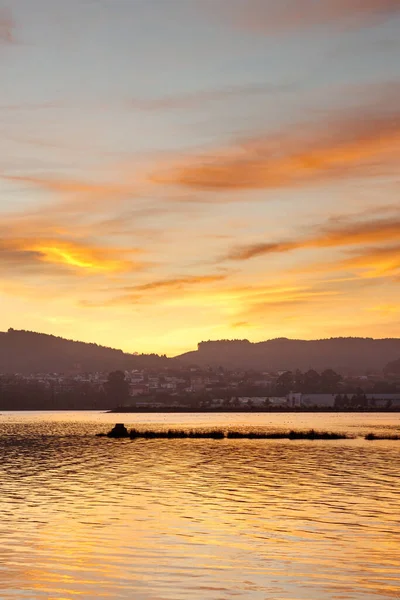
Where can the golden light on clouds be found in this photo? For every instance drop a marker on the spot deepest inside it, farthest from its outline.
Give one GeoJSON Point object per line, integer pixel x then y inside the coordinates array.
{"type": "Point", "coordinates": [380, 262]}
{"type": "Point", "coordinates": [54, 254]}
{"type": "Point", "coordinates": [77, 256]}
{"type": "Point", "coordinates": [150, 211]}
{"type": "Point", "coordinates": [339, 235]}
{"type": "Point", "coordinates": [334, 149]}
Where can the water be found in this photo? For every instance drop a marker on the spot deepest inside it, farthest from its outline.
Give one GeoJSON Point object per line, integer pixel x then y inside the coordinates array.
{"type": "Point", "coordinates": [168, 519]}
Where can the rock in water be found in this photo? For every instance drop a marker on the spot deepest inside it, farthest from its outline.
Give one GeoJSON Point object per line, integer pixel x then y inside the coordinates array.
{"type": "Point", "coordinates": [119, 431]}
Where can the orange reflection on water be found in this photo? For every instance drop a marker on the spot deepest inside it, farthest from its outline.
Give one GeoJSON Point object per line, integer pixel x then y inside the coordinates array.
{"type": "Point", "coordinates": [168, 519]}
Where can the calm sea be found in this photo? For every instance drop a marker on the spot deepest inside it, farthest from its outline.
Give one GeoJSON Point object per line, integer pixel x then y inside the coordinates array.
{"type": "Point", "coordinates": [86, 517]}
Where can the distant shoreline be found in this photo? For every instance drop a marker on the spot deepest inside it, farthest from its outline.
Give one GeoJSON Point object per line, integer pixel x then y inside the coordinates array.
{"type": "Point", "coordinates": [124, 410]}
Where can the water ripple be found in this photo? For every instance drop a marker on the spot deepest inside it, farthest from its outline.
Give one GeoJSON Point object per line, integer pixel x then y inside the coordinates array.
{"type": "Point", "coordinates": [169, 519]}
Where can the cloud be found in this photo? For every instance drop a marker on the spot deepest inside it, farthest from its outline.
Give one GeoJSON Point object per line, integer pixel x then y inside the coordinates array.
{"type": "Point", "coordinates": [239, 324]}
{"type": "Point", "coordinates": [168, 288]}
{"type": "Point", "coordinates": [70, 186]}
{"type": "Point", "coordinates": [92, 213]}
{"type": "Point", "coordinates": [259, 309]}
{"type": "Point", "coordinates": [362, 143]}
{"type": "Point", "coordinates": [373, 262]}
{"type": "Point", "coordinates": [275, 18]}
{"type": "Point", "coordinates": [34, 254]}
{"type": "Point", "coordinates": [349, 234]}
{"type": "Point", "coordinates": [14, 258]}
{"type": "Point", "coordinates": [246, 252]}
{"type": "Point", "coordinates": [307, 305]}
{"type": "Point", "coordinates": [178, 283]}
{"type": "Point", "coordinates": [360, 266]}
{"type": "Point", "coordinates": [385, 308]}
{"type": "Point", "coordinates": [234, 302]}
{"type": "Point", "coordinates": [82, 206]}
{"type": "Point", "coordinates": [7, 26]}
{"type": "Point", "coordinates": [251, 304]}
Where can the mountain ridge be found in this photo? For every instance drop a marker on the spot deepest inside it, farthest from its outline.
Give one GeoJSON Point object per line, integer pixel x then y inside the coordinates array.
{"type": "Point", "coordinates": [345, 354]}
{"type": "Point", "coordinates": [24, 351]}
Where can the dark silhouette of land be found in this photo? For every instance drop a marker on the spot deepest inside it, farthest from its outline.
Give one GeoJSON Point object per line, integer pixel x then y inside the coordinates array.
{"type": "Point", "coordinates": [44, 372]}
{"type": "Point", "coordinates": [30, 352]}
{"type": "Point", "coordinates": [392, 368]}
{"type": "Point", "coordinates": [344, 355]}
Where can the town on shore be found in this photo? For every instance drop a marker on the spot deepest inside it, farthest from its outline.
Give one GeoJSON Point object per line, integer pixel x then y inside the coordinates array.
{"type": "Point", "coordinates": [190, 389]}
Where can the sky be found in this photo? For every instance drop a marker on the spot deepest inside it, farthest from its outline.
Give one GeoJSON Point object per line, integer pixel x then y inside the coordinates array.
{"type": "Point", "coordinates": [173, 171]}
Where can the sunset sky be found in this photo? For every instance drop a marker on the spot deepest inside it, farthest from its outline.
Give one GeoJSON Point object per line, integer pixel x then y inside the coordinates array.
{"type": "Point", "coordinates": [174, 171]}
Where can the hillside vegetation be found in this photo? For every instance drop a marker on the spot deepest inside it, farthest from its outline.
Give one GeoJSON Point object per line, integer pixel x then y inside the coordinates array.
{"type": "Point", "coordinates": [29, 352]}
{"type": "Point", "coordinates": [344, 355]}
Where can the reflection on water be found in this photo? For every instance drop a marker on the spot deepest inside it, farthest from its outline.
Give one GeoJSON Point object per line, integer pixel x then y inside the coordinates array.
{"type": "Point", "coordinates": [168, 519]}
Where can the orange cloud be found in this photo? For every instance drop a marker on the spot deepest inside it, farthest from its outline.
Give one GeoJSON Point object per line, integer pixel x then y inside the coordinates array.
{"type": "Point", "coordinates": [69, 186]}
{"type": "Point", "coordinates": [284, 305]}
{"type": "Point", "coordinates": [326, 237]}
{"type": "Point", "coordinates": [85, 208]}
{"type": "Point", "coordinates": [367, 264]}
{"type": "Point", "coordinates": [385, 308]}
{"type": "Point", "coordinates": [27, 253]}
{"type": "Point", "coordinates": [274, 18]}
{"type": "Point", "coordinates": [179, 282]}
{"type": "Point", "coordinates": [374, 262]}
{"type": "Point", "coordinates": [226, 299]}
{"type": "Point", "coordinates": [366, 144]}
{"type": "Point", "coordinates": [169, 288]}
{"type": "Point", "coordinates": [240, 324]}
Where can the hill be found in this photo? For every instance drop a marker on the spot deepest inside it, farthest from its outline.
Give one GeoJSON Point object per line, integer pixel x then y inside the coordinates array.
{"type": "Point", "coordinates": [30, 352]}
{"type": "Point", "coordinates": [393, 368]}
{"type": "Point", "coordinates": [345, 355]}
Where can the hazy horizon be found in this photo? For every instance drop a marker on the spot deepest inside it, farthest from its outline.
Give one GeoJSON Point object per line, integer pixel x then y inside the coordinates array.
{"type": "Point", "coordinates": [177, 170]}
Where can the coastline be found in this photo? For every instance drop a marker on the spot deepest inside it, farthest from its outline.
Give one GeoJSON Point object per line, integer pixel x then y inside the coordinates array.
{"type": "Point", "coordinates": [126, 409]}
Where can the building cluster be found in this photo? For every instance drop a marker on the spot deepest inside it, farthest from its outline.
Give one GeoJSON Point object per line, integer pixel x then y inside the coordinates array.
{"type": "Point", "coordinates": [219, 388]}
{"type": "Point", "coordinates": [55, 381]}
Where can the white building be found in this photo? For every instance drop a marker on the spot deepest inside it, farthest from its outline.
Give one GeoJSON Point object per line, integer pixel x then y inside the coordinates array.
{"type": "Point", "coordinates": [294, 399]}
{"type": "Point", "coordinates": [278, 401]}
{"type": "Point", "coordinates": [320, 400]}
{"type": "Point", "coordinates": [253, 401]}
